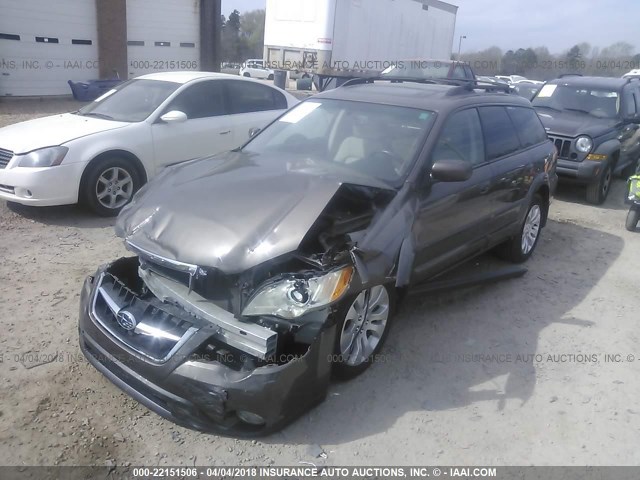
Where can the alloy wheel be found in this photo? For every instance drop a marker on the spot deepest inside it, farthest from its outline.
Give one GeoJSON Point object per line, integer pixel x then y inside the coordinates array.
{"type": "Point", "coordinates": [531, 229]}
{"type": "Point", "coordinates": [364, 325]}
{"type": "Point", "coordinates": [114, 188]}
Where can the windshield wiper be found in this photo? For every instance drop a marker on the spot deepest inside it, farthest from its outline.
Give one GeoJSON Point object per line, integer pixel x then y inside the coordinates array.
{"type": "Point", "coordinates": [94, 114]}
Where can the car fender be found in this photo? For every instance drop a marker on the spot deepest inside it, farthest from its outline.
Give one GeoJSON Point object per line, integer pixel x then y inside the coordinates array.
{"type": "Point", "coordinates": [608, 148]}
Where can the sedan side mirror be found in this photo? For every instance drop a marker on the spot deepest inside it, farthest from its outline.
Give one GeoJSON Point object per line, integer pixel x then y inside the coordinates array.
{"type": "Point", "coordinates": [174, 116]}
{"type": "Point", "coordinates": [451, 171]}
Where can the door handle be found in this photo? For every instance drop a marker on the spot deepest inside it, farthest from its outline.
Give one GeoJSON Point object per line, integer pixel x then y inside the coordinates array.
{"type": "Point", "coordinates": [225, 132]}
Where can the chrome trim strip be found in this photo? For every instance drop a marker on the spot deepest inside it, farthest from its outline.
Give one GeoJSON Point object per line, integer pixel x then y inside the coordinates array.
{"type": "Point", "coordinates": [180, 266]}
{"type": "Point", "coordinates": [248, 337]}
{"type": "Point", "coordinates": [111, 304]}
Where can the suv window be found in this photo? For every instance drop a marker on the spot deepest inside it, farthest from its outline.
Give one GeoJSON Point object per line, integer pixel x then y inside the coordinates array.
{"type": "Point", "coordinates": [204, 99]}
{"type": "Point", "coordinates": [245, 97]}
{"type": "Point", "coordinates": [528, 126]}
{"type": "Point", "coordinates": [461, 139]}
{"type": "Point", "coordinates": [499, 133]}
{"type": "Point", "coordinates": [458, 72]}
{"type": "Point", "coordinates": [629, 102]}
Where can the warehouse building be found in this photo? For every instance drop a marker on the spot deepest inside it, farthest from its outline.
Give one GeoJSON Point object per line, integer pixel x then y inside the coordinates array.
{"type": "Point", "coordinates": [45, 43]}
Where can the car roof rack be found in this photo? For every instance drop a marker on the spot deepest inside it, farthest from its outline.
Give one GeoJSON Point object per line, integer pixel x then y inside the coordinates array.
{"type": "Point", "coordinates": [464, 85]}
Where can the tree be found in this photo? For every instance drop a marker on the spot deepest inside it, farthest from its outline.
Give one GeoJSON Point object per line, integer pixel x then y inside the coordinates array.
{"type": "Point", "coordinates": [252, 33]}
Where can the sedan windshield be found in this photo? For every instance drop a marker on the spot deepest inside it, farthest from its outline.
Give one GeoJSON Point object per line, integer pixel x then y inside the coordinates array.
{"type": "Point", "coordinates": [132, 101]}
{"type": "Point", "coordinates": [593, 101]}
{"type": "Point", "coordinates": [380, 141]}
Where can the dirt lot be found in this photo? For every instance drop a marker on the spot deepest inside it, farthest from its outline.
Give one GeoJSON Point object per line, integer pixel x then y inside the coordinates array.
{"type": "Point", "coordinates": [430, 402]}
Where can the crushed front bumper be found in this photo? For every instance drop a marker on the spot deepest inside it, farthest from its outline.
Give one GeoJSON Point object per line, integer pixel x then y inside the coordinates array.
{"type": "Point", "coordinates": [204, 394]}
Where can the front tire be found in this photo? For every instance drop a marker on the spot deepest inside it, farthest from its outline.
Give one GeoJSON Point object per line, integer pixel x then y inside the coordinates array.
{"type": "Point", "coordinates": [598, 191]}
{"type": "Point", "coordinates": [109, 185]}
{"type": "Point", "coordinates": [519, 248]}
{"type": "Point", "coordinates": [246, 74]}
{"type": "Point", "coordinates": [270, 77]}
{"type": "Point", "coordinates": [632, 219]}
{"type": "Point", "coordinates": [364, 326]}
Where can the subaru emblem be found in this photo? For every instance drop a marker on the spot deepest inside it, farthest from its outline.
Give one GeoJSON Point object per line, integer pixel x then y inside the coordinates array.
{"type": "Point", "coordinates": [126, 320]}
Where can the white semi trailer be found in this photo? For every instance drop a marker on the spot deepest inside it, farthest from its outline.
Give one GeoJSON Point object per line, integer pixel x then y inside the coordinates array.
{"type": "Point", "coordinates": [340, 38]}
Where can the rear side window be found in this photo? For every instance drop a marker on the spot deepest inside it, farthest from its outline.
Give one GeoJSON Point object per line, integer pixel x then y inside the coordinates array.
{"type": "Point", "coordinates": [500, 135]}
{"type": "Point", "coordinates": [245, 97]}
{"type": "Point", "coordinates": [201, 100]}
{"type": "Point", "coordinates": [528, 126]}
{"type": "Point", "coordinates": [461, 139]}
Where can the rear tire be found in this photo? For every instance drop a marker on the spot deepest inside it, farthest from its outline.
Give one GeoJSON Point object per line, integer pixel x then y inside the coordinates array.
{"type": "Point", "coordinates": [519, 248]}
{"type": "Point", "coordinates": [246, 74]}
{"type": "Point", "coordinates": [365, 321]}
{"type": "Point", "coordinates": [598, 191]}
{"type": "Point", "coordinates": [270, 77]}
{"type": "Point", "coordinates": [632, 219]}
{"type": "Point", "coordinates": [109, 184]}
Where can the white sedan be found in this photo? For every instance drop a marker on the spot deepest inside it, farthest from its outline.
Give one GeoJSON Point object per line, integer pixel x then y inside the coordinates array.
{"type": "Point", "coordinates": [103, 153]}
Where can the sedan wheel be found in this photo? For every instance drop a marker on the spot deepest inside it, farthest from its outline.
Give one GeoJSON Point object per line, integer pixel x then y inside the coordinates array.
{"type": "Point", "coordinates": [363, 331]}
{"type": "Point", "coordinates": [109, 184]}
{"type": "Point", "coordinates": [114, 188]}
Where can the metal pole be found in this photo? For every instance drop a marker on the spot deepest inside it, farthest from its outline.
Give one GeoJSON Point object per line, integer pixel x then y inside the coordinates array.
{"type": "Point", "coordinates": [460, 45]}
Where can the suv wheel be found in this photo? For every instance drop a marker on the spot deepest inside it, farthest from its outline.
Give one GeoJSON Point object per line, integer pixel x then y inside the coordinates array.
{"type": "Point", "coordinates": [109, 185]}
{"type": "Point", "coordinates": [519, 249]}
{"type": "Point", "coordinates": [366, 320]}
{"type": "Point", "coordinates": [246, 74]}
{"type": "Point", "coordinates": [597, 192]}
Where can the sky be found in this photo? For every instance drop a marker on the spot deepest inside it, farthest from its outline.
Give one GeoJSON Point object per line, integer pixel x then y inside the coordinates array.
{"type": "Point", "coordinates": [513, 24]}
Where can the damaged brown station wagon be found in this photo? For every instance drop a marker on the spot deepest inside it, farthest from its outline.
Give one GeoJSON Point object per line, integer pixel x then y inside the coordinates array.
{"type": "Point", "coordinates": [260, 273]}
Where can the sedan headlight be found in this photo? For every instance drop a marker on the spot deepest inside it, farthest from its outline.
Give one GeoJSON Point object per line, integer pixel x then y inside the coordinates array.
{"type": "Point", "coordinates": [291, 297]}
{"type": "Point", "coordinates": [584, 144]}
{"type": "Point", "coordinates": [44, 157]}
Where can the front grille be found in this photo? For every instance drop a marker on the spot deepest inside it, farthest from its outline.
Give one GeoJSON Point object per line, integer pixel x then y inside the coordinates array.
{"type": "Point", "coordinates": [5, 157]}
{"type": "Point", "coordinates": [563, 145]}
{"type": "Point", "coordinates": [156, 333]}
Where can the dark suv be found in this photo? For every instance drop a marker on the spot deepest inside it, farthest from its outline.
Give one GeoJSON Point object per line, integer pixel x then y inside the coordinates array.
{"type": "Point", "coordinates": [593, 123]}
{"type": "Point", "coordinates": [260, 272]}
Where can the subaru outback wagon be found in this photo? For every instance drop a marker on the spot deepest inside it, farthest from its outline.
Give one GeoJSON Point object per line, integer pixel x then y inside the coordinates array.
{"type": "Point", "coordinates": [261, 272]}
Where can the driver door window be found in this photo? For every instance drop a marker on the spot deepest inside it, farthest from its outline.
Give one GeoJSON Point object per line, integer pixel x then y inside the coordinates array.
{"type": "Point", "coordinates": [461, 139]}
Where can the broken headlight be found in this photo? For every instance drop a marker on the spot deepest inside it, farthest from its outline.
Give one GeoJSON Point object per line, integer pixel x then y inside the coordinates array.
{"type": "Point", "coordinates": [292, 297]}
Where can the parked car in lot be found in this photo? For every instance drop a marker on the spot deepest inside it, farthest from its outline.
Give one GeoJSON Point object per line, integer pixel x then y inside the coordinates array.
{"type": "Point", "coordinates": [594, 123]}
{"type": "Point", "coordinates": [255, 68]}
{"type": "Point", "coordinates": [260, 272]}
{"type": "Point", "coordinates": [102, 154]}
{"type": "Point", "coordinates": [526, 90]}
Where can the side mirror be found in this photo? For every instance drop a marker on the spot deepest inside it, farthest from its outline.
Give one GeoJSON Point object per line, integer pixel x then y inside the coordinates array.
{"type": "Point", "coordinates": [174, 116]}
{"type": "Point", "coordinates": [451, 171]}
{"type": "Point", "coordinates": [254, 131]}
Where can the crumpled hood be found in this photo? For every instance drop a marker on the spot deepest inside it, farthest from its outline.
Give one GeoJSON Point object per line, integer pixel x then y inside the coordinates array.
{"type": "Point", "coordinates": [232, 211]}
{"type": "Point", "coordinates": [50, 131]}
{"type": "Point", "coordinates": [572, 124]}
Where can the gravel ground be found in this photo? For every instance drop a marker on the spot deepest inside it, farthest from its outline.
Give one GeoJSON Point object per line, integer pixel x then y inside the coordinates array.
{"type": "Point", "coordinates": [429, 402]}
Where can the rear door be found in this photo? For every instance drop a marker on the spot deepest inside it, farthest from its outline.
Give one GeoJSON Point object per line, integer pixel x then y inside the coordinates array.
{"type": "Point", "coordinates": [515, 142]}
{"type": "Point", "coordinates": [208, 129]}
{"type": "Point", "coordinates": [251, 105]}
{"type": "Point", "coordinates": [451, 221]}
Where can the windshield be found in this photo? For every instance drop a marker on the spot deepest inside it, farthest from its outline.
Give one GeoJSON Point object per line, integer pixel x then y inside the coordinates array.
{"type": "Point", "coordinates": [132, 101]}
{"type": "Point", "coordinates": [380, 141]}
{"type": "Point", "coordinates": [593, 101]}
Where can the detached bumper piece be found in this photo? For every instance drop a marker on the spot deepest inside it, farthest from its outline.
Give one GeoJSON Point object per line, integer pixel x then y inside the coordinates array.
{"type": "Point", "coordinates": [178, 362]}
